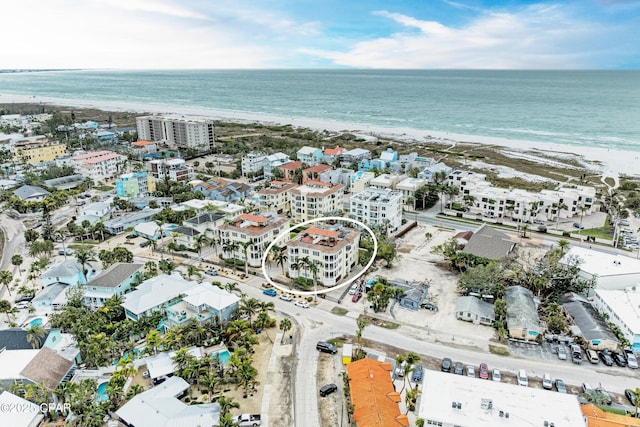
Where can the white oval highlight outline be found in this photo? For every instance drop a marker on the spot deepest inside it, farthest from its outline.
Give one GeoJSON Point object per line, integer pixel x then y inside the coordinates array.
{"type": "Point", "coordinates": [311, 221]}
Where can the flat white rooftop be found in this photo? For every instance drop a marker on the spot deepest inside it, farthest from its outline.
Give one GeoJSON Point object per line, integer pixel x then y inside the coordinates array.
{"type": "Point", "coordinates": [603, 264]}
{"type": "Point", "coordinates": [482, 401]}
{"type": "Point", "coordinates": [625, 304]}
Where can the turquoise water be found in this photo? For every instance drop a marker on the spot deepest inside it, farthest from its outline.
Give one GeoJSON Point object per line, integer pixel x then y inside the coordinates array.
{"type": "Point", "coordinates": [223, 355]}
{"type": "Point", "coordinates": [36, 322]}
{"type": "Point", "coordinates": [584, 108]}
{"type": "Point", "coordinates": [101, 394]}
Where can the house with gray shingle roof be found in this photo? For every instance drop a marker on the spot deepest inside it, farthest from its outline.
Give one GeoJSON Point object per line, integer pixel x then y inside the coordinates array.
{"type": "Point", "coordinates": [588, 323]}
{"type": "Point", "coordinates": [206, 221]}
{"type": "Point", "coordinates": [115, 280]}
{"type": "Point", "coordinates": [473, 309]}
{"type": "Point", "coordinates": [31, 193]}
{"type": "Point", "coordinates": [522, 314]}
{"type": "Point", "coordinates": [490, 243]}
{"type": "Point", "coordinates": [186, 236]}
{"type": "Point", "coordinates": [414, 297]}
{"type": "Point", "coordinates": [68, 272]}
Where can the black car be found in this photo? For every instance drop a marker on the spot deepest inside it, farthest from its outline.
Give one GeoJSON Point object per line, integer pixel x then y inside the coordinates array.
{"type": "Point", "coordinates": [326, 347]}
{"type": "Point", "coordinates": [24, 298]}
{"type": "Point", "coordinates": [458, 369]}
{"type": "Point", "coordinates": [327, 389]}
{"type": "Point", "coordinates": [416, 376]}
{"type": "Point", "coordinates": [145, 244]}
{"type": "Point", "coordinates": [429, 306]}
{"type": "Point", "coordinates": [630, 395]}
{"type": "Point", "coordinates": [619, 359]}
{"type": "Point", "coordinates": [560, 386]}
{"type": "Point", "coordinates": [446, 365]}
{"type": "Point", "coordinates": [606, 357]}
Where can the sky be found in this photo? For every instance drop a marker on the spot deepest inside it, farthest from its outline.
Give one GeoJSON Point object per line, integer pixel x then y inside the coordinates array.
{"type": "Point", "coordinates": [263, 34]}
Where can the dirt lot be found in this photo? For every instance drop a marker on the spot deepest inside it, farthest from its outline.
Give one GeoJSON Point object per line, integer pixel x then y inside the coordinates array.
{"type": "Point", "coordinates": [330, 407]}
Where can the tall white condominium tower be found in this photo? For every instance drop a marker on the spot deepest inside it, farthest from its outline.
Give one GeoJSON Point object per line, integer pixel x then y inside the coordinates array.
{"type": "Point", "coordinates": [192, 132]}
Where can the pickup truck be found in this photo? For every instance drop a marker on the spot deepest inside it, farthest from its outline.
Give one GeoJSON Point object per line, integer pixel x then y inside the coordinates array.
{"type": "Point", "coordinates": [247, 420]}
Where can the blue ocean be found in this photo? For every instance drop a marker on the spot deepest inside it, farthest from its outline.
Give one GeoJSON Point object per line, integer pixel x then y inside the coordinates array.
{"type": "Point", "coordinates": [582, 108]}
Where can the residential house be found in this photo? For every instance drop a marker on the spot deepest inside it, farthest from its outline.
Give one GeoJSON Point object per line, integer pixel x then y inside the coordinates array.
{"type": "Point", "coordinates": [68, 272]}
{"type": "Point", "coordinates": [248, 228]}
{"type": "Point", "coordinates": [65, 182]}
{"type": "Point", "coordinates": [141, 148]}
{"type": "Point", "coordinates": [103, 135]}
{"type": "Point", "coordinates": [230, 210]}
{"type": "Point", "coordinates": [222, 189]}
{"type": "Point", "coordinates": [120, 224]}
{"type": "Point", "coordinates": [333, 249]}
{"type": "Point", "coordinates": [408, 187]}
{"type": "Point", "coordinates": [621, 309]}
{"type": "Point", "coordinates": [16, 339]}
{"type": "Point", "coordinates": [155, 294]}
{"type": "Point", "coordinates": [135, 184]}
{"type": "Point", "coordinates": [116, 280]}
{"type": "Point", "coordinates": [162, 364]}
{"type": "Point", "coordinates": [276, 197]}
{"type": "Point", "coordinates": [273, 161]}
{"type": "Point", "coordinates": [473, 309]}
{"type": "Point", "coordinates": [415, 296]}
{"type": "Point", "coordinates": [349, 157]}
{"type": "Point", "coordinates": [19, 412]}
{"type": "Point", "coordinates": [149, 230]}
{"type": "Point", "coordinates": [430, 171]}
{"type": "Point", "coordinates": [204, 304]}
{"type": "Point", "coordinates": [196, 133]}
{"type": "Point", "coordinates": [588, 324]}
{"type": "Point", "coordinates": [490, 243]}
{"type": "Point", "coordinates": [99, 165]}
{"type": "Point", "coordinates": [206, 222]}
{"type": "Point", "coordinates": [52, 297]}
{"type": "Point", "coordinates": [377, 208]}
{"type": "Point", "coordinates": [48, 367]}
{"type": "Point", "coordinates": [94, 212]}
{"type": "Point", "coordinates": [330, 155]}
{"type": "Point", "coordinates": [338, 176]}
{"type": "Point", "coordinates": [185, 236]}
{"type": "Point", "coordinates": [172, 170]}
{"type": "Point", "coordinates": [31, 193]}
{"type": "Point", "coordinates": [522, 314]}
{"type": "Point", "coordinates": [12, 362]}
{"type": "Point", "coordinates": [289, 172]}
{"type": "Point", "coordinates": [608, 271]}
{"type": "Point", "coordinates": [309, 155]}
{"type": "Point", "coordinates": [313, 173]}
{"type": "Point", "coordinates": [315, 199]}
{"type": "Point", "coordinates": [374, 398]}
{"type": "Point", "coordinates": [160, 407]}
{"type": "Point", "coordinates": [361, 180]}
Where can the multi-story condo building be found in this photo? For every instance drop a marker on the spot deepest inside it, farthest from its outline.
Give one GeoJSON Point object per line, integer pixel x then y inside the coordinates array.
{"type": "Point", "coordinates": [313, 173]}
{"type": "Point", "coordinates": [314, 199]}
{"type": "Point", "coordinates": [194, 133]}
{"type": "Point", "coordinates": [38, 150]}
{"type": "Point", "coordinates": [408, 187]}
{"type": "Point", "coordinates": [135, 184]}
{"type": "Point", "coordinates": [361, 180]}
{"type": "Point", "coordinates": [98, 165]}
{"type": "Point", "coordinates": [172, 169]}
{"type": "Point", "coordinates": [253, 163]}
{"type": "Point", "coordinates": [378, 207]}
{"type": "Point", "coordinates": [276, 197]}
{"type": "Point", "coordinates": [338, 176]}
{"type": "Point", "coordinates": [248, 228]}
{"type": "Point", "coordinates": [333, 249]}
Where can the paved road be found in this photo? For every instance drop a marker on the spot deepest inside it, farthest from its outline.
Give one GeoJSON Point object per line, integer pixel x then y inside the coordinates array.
{"type": "Point", "coordinates": [14, 244]}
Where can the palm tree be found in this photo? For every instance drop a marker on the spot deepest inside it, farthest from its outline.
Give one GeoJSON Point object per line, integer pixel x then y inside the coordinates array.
{"type": "Point", "coordinates": [17, 261]}
{"type": "Point", "coordinates": [193, 271]}
{"type": "Point", "coordinates": [210, 381]}
{"type": "Point", "coordinates": [250, 307]}
{"type": "Point", "coordinates": [5, 278]}
{"type": "Point", "coordinates": [560, 207]}
{"type": "Point", "coordinates": [583, 209]}
{"type": "Point", "coordinates": [34, 336]}
{"type": "Point", "coordinates": [5, 307]}
{"type": "Point", "coordinates": [231, 287]}
{"type": "Point", "coordinates": [245, 248]}
{"type": "Point", "coordinates": [285, 326]}
{"type": "Point", "coordinates": [563, 245]}
{"type": "Point", "coordinates": [84, 255]}
{"type": "Point", "coordinates": [199, 242]}
{"type": "Point", "coordinates": [226, 404]}
{"type": "Point", "coordinates": [181, 359]}
{"type": "Point", "coordinates": [281, 258]}
{"type": "Point", "coordinates": [213, 242]}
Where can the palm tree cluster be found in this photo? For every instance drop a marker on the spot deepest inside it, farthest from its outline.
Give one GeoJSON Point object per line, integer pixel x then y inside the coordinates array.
{"type": "Point", "coordinates": [407, 364]}
{"type": "Point", "coordinates": [381, 294]}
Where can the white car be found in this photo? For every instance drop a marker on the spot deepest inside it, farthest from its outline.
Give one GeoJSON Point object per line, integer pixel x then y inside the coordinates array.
{"type": "Point", "coordinates": [302, 304]}
{"type": "Point", "coordinates": [632, 362]}
{"type": "Point", "coordinates": [496, 376]}
{"type": "Point", "coordinates": [22, 305]}
{"type": "Point", "coordinates": [353, 289]}
{"type": "Point", "coordinates": [286, 297]}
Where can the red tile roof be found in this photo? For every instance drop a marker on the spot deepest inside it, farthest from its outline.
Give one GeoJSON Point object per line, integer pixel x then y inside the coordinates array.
{"type": "Point", "coordinates": [317, 168]}
{"type": "Point", "coordinates": [291, 165]}
{"type": "Point", "coordinates": [322, 232]}
{"type": "Point", "coordinates": [333, 151]}
{"type": "Point", "coordinates": [142, 143]}
{"type": "Point", "coordinates": [254, 218]}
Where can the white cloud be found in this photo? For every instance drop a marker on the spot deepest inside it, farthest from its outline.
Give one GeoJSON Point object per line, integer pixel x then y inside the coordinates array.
{"type": "Point", "coordinates": [536, 37]}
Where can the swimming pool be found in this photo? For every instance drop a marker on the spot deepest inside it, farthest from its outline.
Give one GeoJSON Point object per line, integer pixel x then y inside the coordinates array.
{"type": "Point", "coordinates": [223, 355]}
{"type": "Point", "coordinates": [101, 394]}
{"type": "Point", "coordinates": [36, 322]}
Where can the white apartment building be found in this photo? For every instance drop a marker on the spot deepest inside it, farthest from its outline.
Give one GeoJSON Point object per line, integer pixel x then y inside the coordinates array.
{"type": "Point", "coordinates": [314, 199]}
{"type": "Point", "coordinates": [98, 165]}
{"type": "Point", "coordinates": [338, 176]}
{"type": "Point", "coordinates": [260, 230]}
{"type": "Point", "coordinates": [408, 188]}
{"type": "Point", "coordinates": [173, 169]}
{"type": "Point", "coordinates": [623, 310]}
{"type": "Point", "coordinates": [333, 249]}
{"type": "Point", "coordinates": [361, 180]}
{"type": "Point", "coordinates": [481, 198]}
{"type": "Point", "coordinates": [195, 133]}
{"type": "Point", "coordinates": [276, 198]}
{"type": "Point", "coordinates": [253, 163]}
{"type": "Point", "coordinates": [386, 180]}
{"type": "Point", "coordinates": [377, 207]}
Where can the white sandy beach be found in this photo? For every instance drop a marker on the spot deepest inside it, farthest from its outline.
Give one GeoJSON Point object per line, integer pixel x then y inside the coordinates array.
{"type": "Point", "coordinates": [606, 162]}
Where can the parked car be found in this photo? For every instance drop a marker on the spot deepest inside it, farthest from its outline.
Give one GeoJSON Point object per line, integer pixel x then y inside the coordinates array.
{"type": "Point", "coordinates": [302, 304]}
{"type": "Point", "coordinates": [327, 389]}
{"type": "Point", "coordinates": [24, 298]}
{"type": "Point", "coordinates": [22, 305]}
{"type": "Point", "coordinates": [605, 355]}
{"type": "Point", "coordinates": [619, 358]}
{"type": "Point", "coordinates": [131, 236]}
{"type": "Point", "coordinates": [356, 297]}
{"type": "Point", "coordinates": [286, 297]}
{"type": "Point", "coordinates": [66, 251]}
{"type": "Point", "coordinates": [483, 371]}
{"type": "Point", "coordinates": [604, 393]}
{"type": "Point", "coordinates": [632, 361]}
{"type": "Point", "coordinates": [562, 352]}
{"type": "Point", "coordinates": [496, 375]}
{"type": "Point", "coordinates": [159, 380]}
{"type": "Point", "coordinates": [576, 354]}
{"type": "Point", "coordinates": [211, 272]}
{"type": "Point", "coordinates": [325, 347]}
{"type": "Point", "coordinates": [400, 369]}
{"type": "Point", "coordinates": [145, 244]}
{"type": "Point", "coordinates": [630, 395]}
{"type": "Point", "coordinates": [471, 371]}
{"type": "Point", "coordinates": [547, 383]}
{"type": "Point", "coordinates": [416, 375]}
{"type": "Point", "coordinates": [353, 289]}
{"type": "Point", "coordinates": [247, 420]}
{"type": "Point", "coordinates": [560, 386]}
{"type": "Point", "coordinates": [523, 380]}
{"type": "Point", "coordinates": [270, 292]}
{"type": "Point", "coordinates": [592, 356]}
{"type": "Point", "coordinates": [446, 365]}
{"type": "Point", "coordinates": [578, 225]}
{"type": "Point", "coordinates": [458, 369]}
{"type": "Point", "coordinates": [429, 306]}
{"type": "Point", "coordinates": [586, 388]}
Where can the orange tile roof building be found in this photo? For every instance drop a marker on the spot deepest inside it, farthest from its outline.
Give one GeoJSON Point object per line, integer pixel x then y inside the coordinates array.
{"type": "Point", "coordinates": [276, 197]}
{"type": "Point", "coordinates": [596, 417]}
{"type": "Point", "coordinates": [313, 173]}
{"type": "Point", "coordinates": [289, 171]}
{"type": "Point", "coordinates": [374, 399]}
{"type": "Point", "coordinates": [334, 250]}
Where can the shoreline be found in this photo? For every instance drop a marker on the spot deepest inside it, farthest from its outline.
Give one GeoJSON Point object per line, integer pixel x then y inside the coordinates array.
{"type": "Point", "coordinates": [607, 162]}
